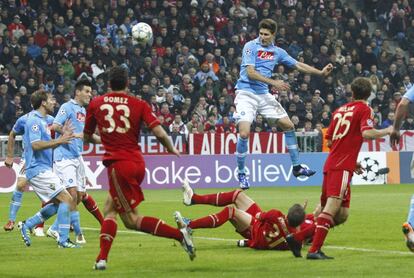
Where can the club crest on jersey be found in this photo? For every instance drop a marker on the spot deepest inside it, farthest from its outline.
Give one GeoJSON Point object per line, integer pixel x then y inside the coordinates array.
{"type": "Point", "coordinates": [80, 117]}
{"type": "Point", "coordinates": [35, 128]}
{"type": "Point", "coordinates": [265, 55]}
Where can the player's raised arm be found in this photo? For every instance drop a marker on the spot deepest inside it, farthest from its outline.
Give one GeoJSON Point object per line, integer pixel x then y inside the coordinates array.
{"type": "Point", "coordinates": [400, 113]}
{"type": "Point", "coordinates": [376, 133]}
{"type": "Point", "coordinates": [162, 136]}
{"type": "Point", "coordinates": [10, 149]}
{"type": "Point", "coordinates": [305, 68]}
{"type": "Point", "coordinates": [279, 84]}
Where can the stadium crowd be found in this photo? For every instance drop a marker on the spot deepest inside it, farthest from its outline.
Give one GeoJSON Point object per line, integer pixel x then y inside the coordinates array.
{"type": "Point", "coordinates": [189, 72]}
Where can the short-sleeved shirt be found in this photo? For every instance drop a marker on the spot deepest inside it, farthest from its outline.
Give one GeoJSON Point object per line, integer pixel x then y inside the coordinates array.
{"type": "Point", "coordinates": [345, 132]}
{"type": "Point", "coordinates": [19, 125]}
{"type": "Point", "coordinates": [410, 94]}
{"type": "Point", "coordinates": [118, 117]}
{"type": "Point", "coordinates": [264, 59]}
{"type": "Point", "coordinates": [270, 230]}
{"type": "Point", "coordinates": [37, 129]}
{"type": "Point", "coordinates": [70, 110]}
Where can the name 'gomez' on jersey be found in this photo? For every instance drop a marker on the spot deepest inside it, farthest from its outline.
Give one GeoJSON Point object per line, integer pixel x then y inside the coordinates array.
{"type": "Point", "coordinates": [345, 132]}
{"type": "Point", "coordinates": [119, 117]}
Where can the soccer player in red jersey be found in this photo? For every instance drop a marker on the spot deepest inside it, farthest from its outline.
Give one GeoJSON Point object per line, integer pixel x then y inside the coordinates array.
{"type": "Point", "coordinates": [118, 118]}
{"type": "Point", "coordinates": [269, 230]}
{"type": "Point", "coordinates": [351, 123]}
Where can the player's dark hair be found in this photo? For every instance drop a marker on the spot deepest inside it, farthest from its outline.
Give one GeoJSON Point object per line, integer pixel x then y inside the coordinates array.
{"type": "Point", "coordinates": [37, 98]}
{"type": "Point", "coordinates": [82, 83]}
{"type": "Point", "coordinates": [118, 78]}
{"type": "Point", "coordinates": [268, 24]}
{"type": "Point", "coordinates": [296, 215]}
{"type": "Point", "coordinates": [361, 88]}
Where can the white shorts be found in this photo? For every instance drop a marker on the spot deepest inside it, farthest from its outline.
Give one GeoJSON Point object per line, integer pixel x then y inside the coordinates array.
{"type": "Point", "coordinates": [47, 185]}
{"type": "Point", "coordinates": [22, 169]}
{"type": "Point", "coordinates": [248, 104]}
{"type": "Point", "coordinates": [71, 172]}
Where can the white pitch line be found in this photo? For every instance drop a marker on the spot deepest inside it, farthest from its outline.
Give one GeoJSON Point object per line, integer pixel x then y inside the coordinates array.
{"type": "Point", "coordinates": [367, 250]}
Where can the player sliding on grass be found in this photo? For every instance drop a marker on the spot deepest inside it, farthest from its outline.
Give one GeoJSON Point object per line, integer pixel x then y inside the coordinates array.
{"type": "Point", "coordinates": [259, 57]}
{"type": "Point", "coordinates": [118, 117]}
{"type": "Point", "coordinates": [400, 114]}
{"type": "Point", "coordinates": [351, 123]}
{"type": "Point", "coordinates": [262, 230]}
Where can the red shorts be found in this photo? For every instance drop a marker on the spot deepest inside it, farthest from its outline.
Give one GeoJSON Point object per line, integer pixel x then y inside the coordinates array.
{"type": "Point", "coordinates": [125, 178]}
{"type": "Point", "coordinates": [252, 210]}
{"type": "Point", "coordinates": [336, 184]}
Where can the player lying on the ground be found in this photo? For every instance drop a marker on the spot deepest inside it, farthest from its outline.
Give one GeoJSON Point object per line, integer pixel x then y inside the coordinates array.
{"type": "Point", "coordinates": [262, 230]}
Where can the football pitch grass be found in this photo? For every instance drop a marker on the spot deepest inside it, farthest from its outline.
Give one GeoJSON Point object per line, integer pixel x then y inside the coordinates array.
{"type": "Point", "coordinates": [370, 244]}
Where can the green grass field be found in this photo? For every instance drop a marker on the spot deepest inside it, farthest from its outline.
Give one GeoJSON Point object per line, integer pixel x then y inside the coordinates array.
{"type": "Point", "coordinates": [370, 244]}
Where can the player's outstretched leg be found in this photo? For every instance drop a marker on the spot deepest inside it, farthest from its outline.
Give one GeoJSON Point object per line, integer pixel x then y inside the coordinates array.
{"type": "Point", "coordinates": [407, 227]}
{"type": "Point", "coordinates": [63, 219]}
{"type": "Point", "coordinates": [187, 240]}
{"type": "Point", "coordinates": [15, 204]}
{"type": "Point", "coordinates": [216, 199]}
{"type": "Point", "coordinates": [323, 223]}
{"type": "Point", "coordinates": [92, 207]}
{"type": "Point", "coordinates": [292, 145]}
{"type": "Point", "coordinates": [26, 226]}
{"type": "Point", "coordinates": [107, 236]}
{"type": "Point", "coordinates": [213, 220]}
{"type": "Point", "coordinates": [408, 232]}
{"type": "Point", "coordinates": [241, 161]}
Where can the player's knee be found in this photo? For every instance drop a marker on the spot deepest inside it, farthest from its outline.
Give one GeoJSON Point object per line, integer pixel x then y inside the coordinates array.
{"type": "Point", "coordinates": [341, 218]}
{"type": "Point", "coordinates": [21, 184]}
{"type": "Point", "coordinates": [244, 134]}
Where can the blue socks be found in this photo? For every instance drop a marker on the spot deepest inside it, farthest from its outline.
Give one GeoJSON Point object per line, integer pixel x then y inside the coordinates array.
{"type": "Point", "coordinates": [15, 204]}
{"type": "Point", "coordinates": [410, 218]}
{"type": "Point", "coordinates": [63, 219]}
{"type": "Point", "coordinates": [241, 153]}
{"type": "Point", "coordinates": [75, 222]}
{"type": "Point", "coordinates": [292, 146]}
{"type": "Point", "coordinates": [44, 214]}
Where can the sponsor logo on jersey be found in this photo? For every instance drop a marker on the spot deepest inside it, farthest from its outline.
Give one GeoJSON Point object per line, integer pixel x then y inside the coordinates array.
{"type": "Point", "coordinates": [80, 117]}
{"type": "Point", "coordinates": [265, 55]}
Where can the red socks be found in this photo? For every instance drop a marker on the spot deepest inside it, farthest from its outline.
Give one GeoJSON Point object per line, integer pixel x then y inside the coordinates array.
{"type": "Point", "coordinates": [217, 199]}
{"type": "Point", "coordinates": [157, 227]}
{"type": "Point", "coordinates": [92, 207]}
{"type": "Point", "coordinates": [107, 236]}
{"type": "Point", "coordinates": [214, 220]}
{"type": "Point", "coordinates": [323, 223]}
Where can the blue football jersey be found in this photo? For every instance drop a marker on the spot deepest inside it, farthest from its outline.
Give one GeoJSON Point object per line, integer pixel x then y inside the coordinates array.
{"type": "Point", "coordinates": [410, 94]}
{"type": "Point", "coordinates": [20, 124]}
{"type": "Point", "coordinates": [36, 129]}
{"type": "Point", "coordinates": [70, 110]}
{"type": "Point", "coordinates": [264, 59]}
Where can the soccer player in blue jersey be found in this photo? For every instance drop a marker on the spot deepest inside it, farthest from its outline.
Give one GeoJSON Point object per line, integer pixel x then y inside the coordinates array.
{"type": "Point", "coordinates": [16, 201]}
{"type": "Point", "coordinates": [68, 163]}
{"type": "Point", "coordinates": [259, 58]}
{"type": "Point", "coordinates": [400, 114]}
{"type": "Point", "coordinates": [46, 184]}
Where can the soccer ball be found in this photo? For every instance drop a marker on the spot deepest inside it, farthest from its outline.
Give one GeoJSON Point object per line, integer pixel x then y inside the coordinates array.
{"type": "Point", "coordinates": [371, 167]}
{"type": "Point", "coordinates": [141, 33]}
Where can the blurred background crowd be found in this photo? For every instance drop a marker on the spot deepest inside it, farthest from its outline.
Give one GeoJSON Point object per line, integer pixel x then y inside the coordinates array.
{"type": "Point", "coordinates": [188, 74]}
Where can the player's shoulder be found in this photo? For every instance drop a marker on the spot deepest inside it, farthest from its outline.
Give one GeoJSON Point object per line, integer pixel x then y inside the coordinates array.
{"type": "Point", "coordinates": [251, 44]}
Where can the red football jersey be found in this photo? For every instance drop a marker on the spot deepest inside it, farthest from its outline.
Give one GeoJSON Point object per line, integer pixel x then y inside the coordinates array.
{"type": "Point", "coordinates": [270, 230]}
{"type": "Point", "coordinates": [345, 132]}
{"type": "Point", "coordinates": [119, 117]}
